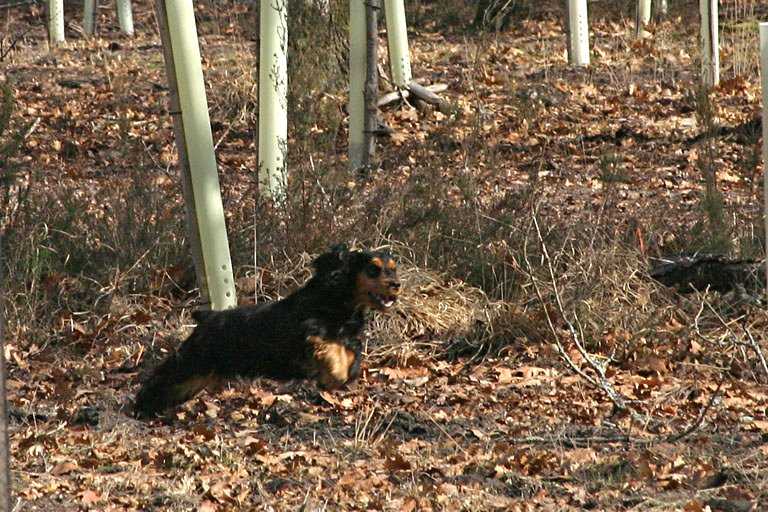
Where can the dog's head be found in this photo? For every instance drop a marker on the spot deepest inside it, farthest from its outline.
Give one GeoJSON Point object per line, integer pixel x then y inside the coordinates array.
{"type": "Point", "coordinates": [372, 275]}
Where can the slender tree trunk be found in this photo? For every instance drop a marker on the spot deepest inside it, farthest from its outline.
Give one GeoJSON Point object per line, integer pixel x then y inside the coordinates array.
{"type": "Point", "coordinates": [193, 229]}
{"type": "Point", "coordinates": [357, 70]}
{"type": "Point", "coordinates": [273, 98]}
{"type": "Point", "coordinates": [710, 48]}
{"type": "Point", "coordinates": [371, 79]}
{"type": "Point", "coordinates": [578, 32]}
{"type": "Point", "coordinates": [55, 22]}
{"type": "Point", "coordinates": [642, 17]}
{"type": "Point", "coordinates": [202, 193]}
{"type": "Point", "coordinates": [764, 82]}
{"type": "Point", "coordinates": [397, 36]}
{"type": "Point", "coordinates": [125, 16]}
{"type": "Point", "coordinates": [5, 470]}
{"type": "Point", "coordinates": [89, 17]}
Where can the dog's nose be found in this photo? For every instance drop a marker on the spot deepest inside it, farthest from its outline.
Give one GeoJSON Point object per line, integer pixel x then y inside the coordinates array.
{"type": "Point", "coordinates": [394, 285]}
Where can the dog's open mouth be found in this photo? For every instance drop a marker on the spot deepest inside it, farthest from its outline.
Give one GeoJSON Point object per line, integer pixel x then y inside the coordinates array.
{"type": "Point", "coordinates": [382, 301]}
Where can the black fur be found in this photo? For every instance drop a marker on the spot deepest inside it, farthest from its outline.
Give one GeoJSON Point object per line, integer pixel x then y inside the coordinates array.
{"type": "Point", "coordinates": [273, 339]}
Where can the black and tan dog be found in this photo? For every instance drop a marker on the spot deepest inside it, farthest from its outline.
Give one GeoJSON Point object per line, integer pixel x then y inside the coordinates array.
{"type": "Point", "coordinates": [312, 333]}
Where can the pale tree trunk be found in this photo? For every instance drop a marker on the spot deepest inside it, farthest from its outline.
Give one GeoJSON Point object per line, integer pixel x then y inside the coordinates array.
{"type": "Point", "coordinates": [371, 79]}
{"type": "Point", "coordinates": [125, 16]}
{"type": "Point", "coordinates": [273, 97]}
{"type": "Point", "coordinates": [710, 45]}
{"type": "Point", "coordinates": [578, 32]}
{"type": "Point", "coordinates": [357, 70]}
{"type": "Point", "coordinates": [89, 17]}
{"type": "Point", "coordinates": [56, 22]}
{"type": "Point", "coordinates": [202, 194]}
{"type": "Point", "coordinates": [397, 36]}
{"type": "Point", "coordinates": [642, 17]}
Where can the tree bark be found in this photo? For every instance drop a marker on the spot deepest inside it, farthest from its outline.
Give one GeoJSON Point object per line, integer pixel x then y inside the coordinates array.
{"type": "Point", "coordinates": [371, 80]}
{"type": "Point", "coordinates": [5, 470]}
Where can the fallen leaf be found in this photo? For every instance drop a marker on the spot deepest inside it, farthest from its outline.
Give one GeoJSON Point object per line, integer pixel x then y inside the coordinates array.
{"type": "Point", "coordinates": [63, 468]}
{"type": "Point", "coordinates": [207, 506]}
{"type": "Point", "coordinates": [504, 375]}
{"type": "Point", "coordinates": [89, 497]}
{"type": "Point", "coordinates": [396, 462]}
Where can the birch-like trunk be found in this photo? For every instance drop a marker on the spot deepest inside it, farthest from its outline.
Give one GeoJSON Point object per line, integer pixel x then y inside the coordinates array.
{"type": "Point", "coordinates": [125, 16]}
{"type": "Point", "coordinates": [202, 194]}
{"type": "Point", "coordinates": [371, 80]}
{"type": "Point", "coordinates": [273, 97]}
{"type": "Point", "coordinates": [642, 17]}
{"type": "Point", "coordinates": [56, 22]}
{"type": "Point", "coordinates": [397, 37]}
{"type": "Point", "coordinates": [89, 17]}
{"type": "Point", "coordinates": [578, 33]}
{"type": "Point", "coordinates": [710, 46]}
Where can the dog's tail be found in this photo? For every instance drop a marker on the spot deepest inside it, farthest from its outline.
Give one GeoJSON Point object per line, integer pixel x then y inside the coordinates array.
{"type": "Point", "coordinates": [180, 377]}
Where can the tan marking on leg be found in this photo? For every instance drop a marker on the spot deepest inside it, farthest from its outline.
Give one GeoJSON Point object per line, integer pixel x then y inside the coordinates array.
{"type": "Point", "coordinates": [333, 360]}
{"type": "Point", "coordinates": [191, 387]}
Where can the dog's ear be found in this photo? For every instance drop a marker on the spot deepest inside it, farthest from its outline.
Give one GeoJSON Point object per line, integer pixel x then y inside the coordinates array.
{"type": "Point", "coordinates": [335, 259]}
{"type": "Point", "coordinates": [340, 248]}
{"type": "Point", "coordinates": [356, 260]}
{"type": "Point", "coordinates": [202, 315]}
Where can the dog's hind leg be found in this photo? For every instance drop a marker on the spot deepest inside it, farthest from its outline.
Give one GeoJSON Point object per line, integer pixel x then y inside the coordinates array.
{"type": "Point", "coordinates": [180, 377]}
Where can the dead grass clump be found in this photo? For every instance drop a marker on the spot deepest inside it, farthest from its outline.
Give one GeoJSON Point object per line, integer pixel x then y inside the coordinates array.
{"type": "Point", "coordinates": [601, 289]}
{"type": "Point", "coordinates": [73, 250]}
{"type": "Point", "coordinates": [446, 317]}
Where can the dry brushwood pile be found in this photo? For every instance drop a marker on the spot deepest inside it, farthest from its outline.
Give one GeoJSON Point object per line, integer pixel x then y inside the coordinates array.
{"type": "Point", "coordinates": [531, 362]}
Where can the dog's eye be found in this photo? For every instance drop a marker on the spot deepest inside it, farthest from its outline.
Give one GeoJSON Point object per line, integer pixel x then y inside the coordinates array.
{"type": "Point", "coordinates": [373, 271]}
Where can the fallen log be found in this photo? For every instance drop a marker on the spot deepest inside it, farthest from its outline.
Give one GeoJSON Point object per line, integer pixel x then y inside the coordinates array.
{"type": "Point", "coordinates": [710, 271]}
{"type": "Point", "coordinates": [427, 94]}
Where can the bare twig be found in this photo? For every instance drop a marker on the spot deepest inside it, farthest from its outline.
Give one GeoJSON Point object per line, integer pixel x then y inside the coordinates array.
{"type": "Point", "coordinates": [696, 424]}
{"type": "Point", "coordinates": [601, 382]}
{"type": "Point", "coordinates": [5, 51]}
{"type": "Point", "coordinates": [31, 129]}
{"type": "Point", "coordinates": [571, 441]}
{"type": "Point", "coordinates": [597, 377]}
{"type": "Point", "coordinates": [579, 441]}
{"type": "Point", "coordinates": [561, 350]}
{"type": "Point", "coordinates": [758, 350]}
{"type": "Point", "coordinates": [734, 338]}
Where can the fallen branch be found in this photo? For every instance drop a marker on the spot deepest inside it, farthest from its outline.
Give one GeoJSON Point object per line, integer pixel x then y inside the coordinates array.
{"type": "Point", "coordinates": [696, 424]}
{"type": "Point", "coordinates": [572, 442]}
{"type": "Point", "coordinates": [601, 382]}
{"type": "Point", "coordinates": [5, 51]}
{"type": "Point", "coordinates": [734, 340]}
{"type": "Point", "coordinates": [426, 94]}
{"type": "Point", "coordinates": [713, 271]}
{"type": "Point", "coordinates": [758, 350]}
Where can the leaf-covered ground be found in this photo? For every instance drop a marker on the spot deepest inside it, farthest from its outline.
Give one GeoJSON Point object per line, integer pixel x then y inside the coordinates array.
{"type": "Point", "coordinates": [439, 420]}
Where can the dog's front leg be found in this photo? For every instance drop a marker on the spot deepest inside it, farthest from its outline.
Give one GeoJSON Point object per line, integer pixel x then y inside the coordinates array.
{"type": "Point", "coordinates": [354, 370]}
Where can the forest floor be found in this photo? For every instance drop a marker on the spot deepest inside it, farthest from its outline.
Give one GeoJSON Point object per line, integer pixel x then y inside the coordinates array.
{"type": "Point", "coordinates": [466, 401]}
